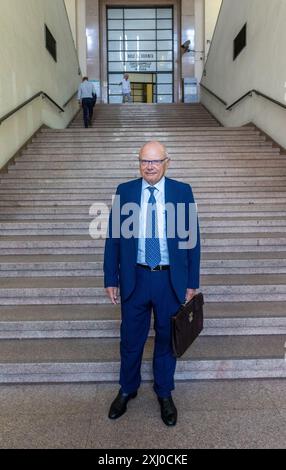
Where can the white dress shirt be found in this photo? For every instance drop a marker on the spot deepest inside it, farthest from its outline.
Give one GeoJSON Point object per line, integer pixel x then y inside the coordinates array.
{"type": "Point", "coordinates": [86, 89]}
{"type": "Point", "coordinates": [159, 195]}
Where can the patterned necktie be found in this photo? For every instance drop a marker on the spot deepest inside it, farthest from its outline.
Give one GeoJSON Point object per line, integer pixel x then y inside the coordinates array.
{"type": "Point", "coordinates": [152, 244]}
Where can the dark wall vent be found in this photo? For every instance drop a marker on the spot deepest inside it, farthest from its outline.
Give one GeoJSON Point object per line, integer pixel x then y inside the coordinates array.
{"type": "Point", "coordinates": [240, 42]}
{"type": "Point", "coordinates": [51, 43]}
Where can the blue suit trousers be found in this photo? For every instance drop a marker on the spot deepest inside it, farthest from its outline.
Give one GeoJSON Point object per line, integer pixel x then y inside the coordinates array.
{"type": "Point", "coordinates": [153, 292]}
{"type": "Point", "coordinates": [87, 105]}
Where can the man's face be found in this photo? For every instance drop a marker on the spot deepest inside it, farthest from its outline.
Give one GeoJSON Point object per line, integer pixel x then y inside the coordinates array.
{"type": "Point", "coordinates": [153, 172]}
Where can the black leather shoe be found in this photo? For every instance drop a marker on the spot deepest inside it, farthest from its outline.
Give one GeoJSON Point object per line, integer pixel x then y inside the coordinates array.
{"type": "Point", "coordinates": [168, 411]}
{"type": "Point", "coordinates": [118, 406]}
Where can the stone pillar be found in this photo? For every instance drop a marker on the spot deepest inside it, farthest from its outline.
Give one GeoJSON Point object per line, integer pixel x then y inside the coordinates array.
{"type": "Point", "coordinates": [92, 33]}
{"type": "Point", "coordinates": [81, 35]}
{"type": "Point", "coordinates": [188, 34]}
{"type": "Point", "coordinates": [199, 38]}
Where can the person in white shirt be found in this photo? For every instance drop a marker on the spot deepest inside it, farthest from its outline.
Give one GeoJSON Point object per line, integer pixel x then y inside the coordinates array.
{"type": "Point", "coordinates": [86, 97]}
{"type": "Point", "coordinates": [126, 89]}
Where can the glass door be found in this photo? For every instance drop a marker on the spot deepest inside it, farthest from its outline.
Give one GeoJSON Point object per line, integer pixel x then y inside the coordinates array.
{"type": "Point", "coordinates": [140, 40]}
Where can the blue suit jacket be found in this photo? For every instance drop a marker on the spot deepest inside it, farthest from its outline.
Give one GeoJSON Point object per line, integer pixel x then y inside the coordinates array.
{"type": "Point", "coordinates": [120, 256]}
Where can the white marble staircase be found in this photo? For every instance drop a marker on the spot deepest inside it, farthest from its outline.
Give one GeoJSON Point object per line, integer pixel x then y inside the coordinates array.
{"type": "Point", "coordinates": [56, 324]}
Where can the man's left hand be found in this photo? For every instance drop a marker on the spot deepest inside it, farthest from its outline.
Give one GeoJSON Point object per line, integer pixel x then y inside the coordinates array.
{"type": "Point", "coordinates": [190, 293]}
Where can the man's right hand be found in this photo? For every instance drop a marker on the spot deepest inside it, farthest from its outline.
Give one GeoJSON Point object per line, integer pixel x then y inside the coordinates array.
{"type": "Point", "coordinates": [112, 293]}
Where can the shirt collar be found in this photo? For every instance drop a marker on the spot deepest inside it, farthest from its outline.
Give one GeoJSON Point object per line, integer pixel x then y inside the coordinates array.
{"type": "Point", "coordinates": [160, 185]}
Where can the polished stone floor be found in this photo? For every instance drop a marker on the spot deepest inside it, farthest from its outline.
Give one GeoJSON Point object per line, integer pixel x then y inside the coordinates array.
{"type": "Point", "coordinates": [211, 414]}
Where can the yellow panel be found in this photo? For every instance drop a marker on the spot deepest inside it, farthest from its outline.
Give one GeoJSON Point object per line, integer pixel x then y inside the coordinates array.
{"type": "Point", "coordinates": [140, 77]}
{"type": "Point", "coordinates": [149, 93]}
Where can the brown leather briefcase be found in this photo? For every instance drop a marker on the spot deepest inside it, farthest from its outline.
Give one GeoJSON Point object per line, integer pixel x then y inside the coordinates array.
{"type": "Point", "coordinates": [187, 324]}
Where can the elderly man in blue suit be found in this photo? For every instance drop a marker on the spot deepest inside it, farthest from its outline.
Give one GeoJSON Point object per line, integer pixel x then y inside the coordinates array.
{"type": "Point", "coordinates": [154, 271]}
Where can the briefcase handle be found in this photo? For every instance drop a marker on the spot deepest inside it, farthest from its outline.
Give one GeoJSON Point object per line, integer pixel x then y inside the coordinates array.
{"type": "Point", "coordinates": [197, 298]}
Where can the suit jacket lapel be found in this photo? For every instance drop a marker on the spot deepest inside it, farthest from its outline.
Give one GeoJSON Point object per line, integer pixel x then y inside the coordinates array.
{"type": "Point", "coordinates": [170, 197]}
{"type": "Point", "coordinates": [136, 197]}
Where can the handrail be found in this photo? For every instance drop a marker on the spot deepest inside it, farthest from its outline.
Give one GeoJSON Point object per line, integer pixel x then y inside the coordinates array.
{"type": "Point", "coordinates": [249, 93]}
{"type": "Point", "coordinates": [259, 93]}
{"type": "Point", "coordinates": [40, 93]}
{"type": "Point", "coordinates": [212, 93]}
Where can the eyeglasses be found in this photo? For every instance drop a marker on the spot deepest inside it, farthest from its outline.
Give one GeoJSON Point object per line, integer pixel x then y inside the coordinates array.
{"type": "Point", "coordinates": [152, 162]}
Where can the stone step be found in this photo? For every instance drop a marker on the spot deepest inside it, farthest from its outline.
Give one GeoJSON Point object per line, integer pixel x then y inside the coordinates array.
{"type": "Point", "coordinates": [172, 116]}
{"type": "Point", "coordinates": [208, 260]}
{"type": "Point", "coordinates": [78, 290]}
{"type": "Point", "coordinates": [47, 329]}
{"type": "Point", "coordinates": [135, 140]}
{"type": "Point", "coordinates": [79, 227]}
{"type": "Point", "coordinates": [194, 119]}
{"type": "Point", "coordinates": [46, 132]}
{"type": "Point", "coordinates": [30, 270]}
{"type": "Point", "coordinates": [204, 207]}
{"type": "Point", "coordinates": [62, 207]}
{"type": "Point", "coordinates": [153, 124]}
{"type": "Point", "coordinates": [225, 213]}
{"type": "Point", "coordinates": [85, 183]}
{"type": "Point", "coordinates": [42, 245]}
{"type": "Point", "coordinates": [159, 124]}
{"type": "Point", "coordinates": [75, 209]}
{"type": "Point", "coordinates": [59, 198]}
{"type": "Point", "coordinates": [68, 313]}
{"type": "Point", "coordinates": [55, 200]}
{"type": "Point", "coordinates": [74, 223]}
{"type": "Point", "coordinates": [185, 134]}
{"type": "Point", "coordinates": [144, 130]}
{"type": "Point", "coordinates": [18, 196]}
{"type": "Point", "coordinates": [28, 267]}
{"type": "Point", "coordinates": [89, 193]}
{"type": "Point", "coordinates": [191, 150]}
{"type": "Point", "coordinates": [145, 114]}
{"type": "Point", "coordinates": [82, 360]}
{"type": "Point", "coordinates": [134, 119]}
{"type": "Point", "coordinates": [57, 245]}
{"type": "Point", "coordinates": [218, 215]}
{"type": "Point", "coordinates": [133, 173]}
{"type": "Point", "coordinates": [147, 110]}
{"type": "Point", "coordinates": [124, 158]}
{"type": "Point", "coordinates": [113, 144]}
{"type": "Point", "coordinates": [164, 137]}
{"type": "Point", "coordinates": [22, 166]}
{"type": "Point", "coordinates": [66, 229]}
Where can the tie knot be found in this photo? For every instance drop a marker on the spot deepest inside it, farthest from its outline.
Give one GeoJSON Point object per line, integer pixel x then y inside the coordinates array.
{"type": "Point", "coordinates": [151, 189]}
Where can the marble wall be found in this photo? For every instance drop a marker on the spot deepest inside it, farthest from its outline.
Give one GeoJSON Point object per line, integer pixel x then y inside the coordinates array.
{"type": "Point", "coordinates": [26, 68]}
